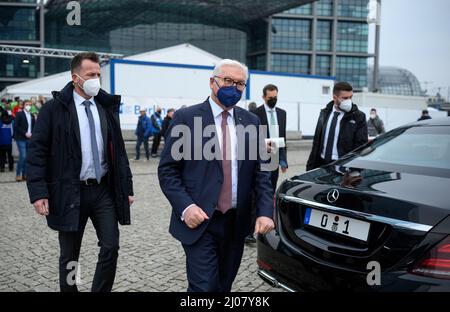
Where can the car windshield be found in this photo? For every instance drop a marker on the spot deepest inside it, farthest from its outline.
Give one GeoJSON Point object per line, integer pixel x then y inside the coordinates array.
{"type": "Point", "coordinates": [418, 148]}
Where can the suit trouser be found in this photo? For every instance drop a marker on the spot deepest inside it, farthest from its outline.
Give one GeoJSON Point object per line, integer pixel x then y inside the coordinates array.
{"type": "Point", "coordinates": [6, 151]}
{"type": "Point", "coordinates": [213, 261]}
{"type": "Point", "coordinates": [140, 140]}
{"type": "Point", "coordinates": [96, 204]}
{"type": "Point", "coordinates": [156, 142]}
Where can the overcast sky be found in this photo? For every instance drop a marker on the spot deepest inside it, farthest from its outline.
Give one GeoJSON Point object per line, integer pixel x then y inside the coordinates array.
{"type": "Point", "coordinates": [415, 34]}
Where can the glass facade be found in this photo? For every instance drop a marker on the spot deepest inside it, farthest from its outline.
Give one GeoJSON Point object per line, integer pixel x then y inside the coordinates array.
{"type": "Point", "coordinates": [324, 35]}
{"type": "Point", "coordinates": [136, 27]}
{"type": "Point", "coordinates": [302, 10]}
{"type": "Point", "coordinates": [224, 33]}
{"type": "Point", "coordinates": [352, 69]}
{"type": "Point", "coordinates": [291, 63]}
{"type": "Point", "coordinates": [324, 7]}
{"type": "Point", "coordinates": [219, 41]}
{"type": "Point", "coordinates": [258, 62]}
{"type": "Point", "coordinates": [257, 37]}
{"type": "Point", "coordinates": [396, 81]}
{"type": "Point", "coordinates": [291, 34]}
{"type": "Point", "coordinates": [323, 65]}
{"type": "Point", "coordinates": [12, 66]}
{"type": "Point", "coordinates": [128, 40]}
{"type": "Point", "coordinates": [21, 1]}
{"type": "Point", "coordinates": [18, 23]}
{"type": "Point", "coordinates": [352, 37]}
{"type": "Point", "coordinates": [353, 8]}
{"type": "Point", "coordinates": [344, 56]}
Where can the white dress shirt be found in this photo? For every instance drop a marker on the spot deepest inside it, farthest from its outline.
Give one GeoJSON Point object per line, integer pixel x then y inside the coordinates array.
{"type": "Point", "coordinates": [87, 165]}
{"type": "Point", "coordinates": [274, 131]}
{"type": "Point", "coordinates": [217, 114]}
{"type": "Point", "coordinates": [334, 153]}
{"type": "Point", "coordinates": [29, 120]}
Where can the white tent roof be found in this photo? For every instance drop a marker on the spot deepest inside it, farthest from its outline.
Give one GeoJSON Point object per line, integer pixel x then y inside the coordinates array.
{"type": "Point", "coordinates": [41, 86]}
{"type": "Point", "coordinates": [179, 54]}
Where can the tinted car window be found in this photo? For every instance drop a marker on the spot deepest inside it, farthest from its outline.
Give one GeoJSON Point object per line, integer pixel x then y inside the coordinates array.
{"type": "Point", "coordinates": [415, 150]}
{"type": "Point", "coordinates": [417, 146]}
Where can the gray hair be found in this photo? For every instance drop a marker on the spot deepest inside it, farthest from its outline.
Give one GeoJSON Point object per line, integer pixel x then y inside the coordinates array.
{"type": "Point", "coordinates": [227, 62]}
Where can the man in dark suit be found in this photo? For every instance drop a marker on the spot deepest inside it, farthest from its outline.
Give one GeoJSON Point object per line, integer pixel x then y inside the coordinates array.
{"type": "Point", "coordinates": [78, 169]}
{"type": "Point", "coordinates": [211, 196]}
{"type": "Point", "coordinates": [341, 128]}
{"type": "Point", "coordinates": [425, 115]}
{"type": "Point", "coordinates": [23, 128]}
{"type": "Point", "coordinates": [275, 120]}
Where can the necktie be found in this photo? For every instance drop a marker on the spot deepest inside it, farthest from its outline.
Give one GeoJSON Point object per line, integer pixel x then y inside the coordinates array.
{"type": "Point", "coordinates": [224, 203]}
{"type": "Point", "coordinates": [330, 141]}
{"type": "Point", "coordinates": [273, 125]}
{"type": "Point", "coordinates": [94, 146]}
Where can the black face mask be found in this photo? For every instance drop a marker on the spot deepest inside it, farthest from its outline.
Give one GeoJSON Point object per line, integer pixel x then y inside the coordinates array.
{"type": "Point", "coordinates": [272, 102]}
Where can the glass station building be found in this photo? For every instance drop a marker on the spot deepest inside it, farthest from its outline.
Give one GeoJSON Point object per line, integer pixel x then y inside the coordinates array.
{"type": "Point", "coordinates": [19, 25]}
{"type": "Point", "coordinates": [322, 37]}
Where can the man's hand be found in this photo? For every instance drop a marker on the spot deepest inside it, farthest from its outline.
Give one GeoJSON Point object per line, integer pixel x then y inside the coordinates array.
{"type": "Point", "coordinates": [41, 206]}
{"type": "Point", "coordinates": [131, 200]}
{"type": "Point", "coordinates": [194, 216]}
{"type": "Point", "coordinates": [283, 169]}
{"type": "Point", "coordinates": [264, 225]}
{"type": "Point", "coordinates": [351, 181]}
{"type": "Point", "coordinates": [28, 135]}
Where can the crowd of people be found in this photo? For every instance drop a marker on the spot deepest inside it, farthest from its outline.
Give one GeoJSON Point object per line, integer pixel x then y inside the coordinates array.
{"type": "Point", "coordinates": [18, 117]}
{"type": "Point", "coordinates": [16, 124]}
{"type": "Point", "coordinates": [154, 126]}
{"type": "Point", "coordinates": [217, 205]}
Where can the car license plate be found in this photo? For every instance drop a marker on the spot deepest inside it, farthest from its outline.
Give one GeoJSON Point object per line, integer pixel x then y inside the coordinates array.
{"type": "Point", "coordinates": [338, 224]}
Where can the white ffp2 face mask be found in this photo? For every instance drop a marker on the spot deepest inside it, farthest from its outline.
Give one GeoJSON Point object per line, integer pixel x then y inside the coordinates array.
{"type": "Point", "coordinates": [346, 105]}
{"type": "Point", "coordinates": [91, 86]}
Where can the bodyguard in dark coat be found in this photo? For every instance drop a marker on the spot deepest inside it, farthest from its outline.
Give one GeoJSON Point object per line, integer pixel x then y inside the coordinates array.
{"type": "Point", "coordinates": [78, 169]}
{"type": "Point", "coordinates": [341, 128]}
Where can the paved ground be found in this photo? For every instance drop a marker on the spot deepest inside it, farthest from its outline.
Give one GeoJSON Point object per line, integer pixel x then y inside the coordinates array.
{"type": "Point", "coordinates": [149, 258]}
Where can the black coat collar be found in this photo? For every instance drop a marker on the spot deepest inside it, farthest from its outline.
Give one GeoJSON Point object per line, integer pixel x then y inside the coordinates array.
{"type": "Point", "coordinates": [106, 100]}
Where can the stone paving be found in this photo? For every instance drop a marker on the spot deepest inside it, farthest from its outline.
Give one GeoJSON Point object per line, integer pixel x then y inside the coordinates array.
{"type": "Point", "coordinates": [150, 260]}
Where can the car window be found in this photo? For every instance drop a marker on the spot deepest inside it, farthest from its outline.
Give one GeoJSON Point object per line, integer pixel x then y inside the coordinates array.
{"type": "Point", "coordinates": [416, 146]}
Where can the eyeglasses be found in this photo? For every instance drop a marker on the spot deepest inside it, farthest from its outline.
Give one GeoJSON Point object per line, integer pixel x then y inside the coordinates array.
{"type": "Point", "coordinates": [228, 82]}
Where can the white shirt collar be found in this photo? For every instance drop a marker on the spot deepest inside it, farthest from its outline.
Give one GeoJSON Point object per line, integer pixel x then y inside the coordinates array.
{"type": "Point", "coordinates": [335, 110]}
{"type": "Point", "coordinates": [78, 99]}
{"type": "Point", "coordinates": [217, 110]}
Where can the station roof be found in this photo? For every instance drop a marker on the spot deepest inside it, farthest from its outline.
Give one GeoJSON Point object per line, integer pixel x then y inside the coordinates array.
{"type": "Point", "coordinates": [106, 15]}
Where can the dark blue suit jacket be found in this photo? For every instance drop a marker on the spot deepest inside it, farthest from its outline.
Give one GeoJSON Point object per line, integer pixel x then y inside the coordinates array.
{"type": "Point", "coordinates": [185, 182]}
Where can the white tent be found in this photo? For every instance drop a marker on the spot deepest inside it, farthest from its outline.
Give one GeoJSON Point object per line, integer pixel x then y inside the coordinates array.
{"type": "Point", "coordinates": [41, 86]}
{"type": "Point", "coordinates": [179, 54]}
